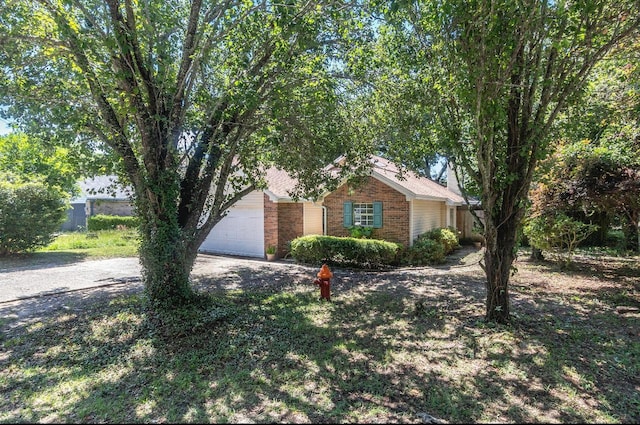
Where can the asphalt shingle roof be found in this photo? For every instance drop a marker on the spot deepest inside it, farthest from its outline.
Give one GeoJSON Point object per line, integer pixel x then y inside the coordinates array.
{"type": "Point", "coordinates": [279, 183]}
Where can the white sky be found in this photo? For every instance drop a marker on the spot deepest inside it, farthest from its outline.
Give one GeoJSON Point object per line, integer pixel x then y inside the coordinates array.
{"type": "Point", "coordinates": [3, 127]}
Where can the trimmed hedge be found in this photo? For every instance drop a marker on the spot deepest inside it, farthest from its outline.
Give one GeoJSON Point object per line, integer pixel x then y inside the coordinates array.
{"type": "Point", "coordinates": [369, 253]}
{"type": "Point", "coordinates": [110, 222]}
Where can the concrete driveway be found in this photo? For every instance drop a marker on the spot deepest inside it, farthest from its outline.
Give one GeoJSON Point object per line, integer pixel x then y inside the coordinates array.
{"type": "Point", "coordinates": [31, 293]}
{"type": "Point", "coordinates": [27, 282]}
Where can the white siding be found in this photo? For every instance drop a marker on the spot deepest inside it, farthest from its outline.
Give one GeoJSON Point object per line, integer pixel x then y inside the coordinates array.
{"type": "Point", "coordinates": [241, 232]}
{"type": "Point", "coordinates": [312, 219]}
{"type": "Point", "coordinates": [427, 215]}
{"type": "Point", "coordinates": [451, 217]}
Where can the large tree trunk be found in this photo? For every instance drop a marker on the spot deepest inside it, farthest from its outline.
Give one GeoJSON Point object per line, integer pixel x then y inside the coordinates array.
{"type": "Point", "coordinates": [498, 259]}
{"type": "Point", "coordinates": [165, 255]}
{"type": "Point", "coordinates": [166, 266]}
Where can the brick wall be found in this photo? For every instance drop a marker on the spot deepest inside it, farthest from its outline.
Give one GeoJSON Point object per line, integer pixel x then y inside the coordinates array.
{"type": "Point", "coordinates": [109, 207]}
{"type": "Point", "coordinates": [283, 222]}
{"type": "Point", "coordinates": [270, 223]}
{"type": "Point", "coordinates": [395, 209]}
{"type": "Point", "coordinates": [290, 225]}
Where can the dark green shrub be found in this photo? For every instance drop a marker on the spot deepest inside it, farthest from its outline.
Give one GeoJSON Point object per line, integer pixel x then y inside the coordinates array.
{"type": "Point", "coordinates": [316, 249]}
{"type": "Point", "coordinates": [424, 251]}
{"type": "Point", "coordinates": [30, 214]}
{"type": "Point", "coordinates": [110, 222]}
{"type": "Point", "coordinates": [431, 247]}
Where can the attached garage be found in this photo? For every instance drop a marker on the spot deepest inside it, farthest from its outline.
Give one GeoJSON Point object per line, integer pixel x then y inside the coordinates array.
{"type": "Point", "coordinates": [241, 232]}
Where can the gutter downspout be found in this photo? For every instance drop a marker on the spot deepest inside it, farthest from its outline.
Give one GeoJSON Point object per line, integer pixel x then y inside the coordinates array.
{"type": "Point", "coordinates": [324, 220]}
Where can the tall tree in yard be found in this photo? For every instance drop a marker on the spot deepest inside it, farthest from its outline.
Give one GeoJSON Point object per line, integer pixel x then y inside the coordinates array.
{"type": "Point", "coordinates": [494, 75]}
{"type": "Point", "coordinates": [194, 98]}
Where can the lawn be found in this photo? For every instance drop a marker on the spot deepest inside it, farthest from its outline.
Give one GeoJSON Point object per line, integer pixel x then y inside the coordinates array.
{"type": "Point", "coordinates": [395, 346]}
{"type": "Point", "coordinates": [70, 247]}
{"type": "Point", "coordinates": [98, 244]}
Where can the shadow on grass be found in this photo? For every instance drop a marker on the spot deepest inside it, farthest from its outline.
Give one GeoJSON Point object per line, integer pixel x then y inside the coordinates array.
{"type": "Point", "coordinates": [611, 280]}
{"type": "Point", "coordinates": [264, 349]}
{"type": "Point", "coordinates": [38, 260]}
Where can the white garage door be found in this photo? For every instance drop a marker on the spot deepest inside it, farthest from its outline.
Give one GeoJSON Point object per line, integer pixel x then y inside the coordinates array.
{"type": "Point", "coordinates": [241, 232]}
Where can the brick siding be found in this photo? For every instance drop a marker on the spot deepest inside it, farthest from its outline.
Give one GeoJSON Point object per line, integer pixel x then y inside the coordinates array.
{"type": "Point", "coordinates": [290, 225]}
{"type": "Point", "coordinates": [395, 209]}
{"type": "Point", "coordinates": [270, 223]}
{"type": "Point", "coordinates": [283, 222]}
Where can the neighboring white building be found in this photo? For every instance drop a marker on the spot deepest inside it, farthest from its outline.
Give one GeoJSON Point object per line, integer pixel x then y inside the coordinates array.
{"type": "Point", "coordinates": [98, 195]}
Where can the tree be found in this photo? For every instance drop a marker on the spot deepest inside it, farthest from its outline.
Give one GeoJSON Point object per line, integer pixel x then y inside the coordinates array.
{"type": "Point", "coordinates": [495, 75]}
{"type": "Point", "coordinates": [596, 167]}
{"type": "Point", "coordinates": [557, 231]}
{"type": "Point", "coordinates": [592, 182]}
{"type": "Point", "coordinates": [195, 99]}
{"type": "Point", "coordinates": [34, 160]}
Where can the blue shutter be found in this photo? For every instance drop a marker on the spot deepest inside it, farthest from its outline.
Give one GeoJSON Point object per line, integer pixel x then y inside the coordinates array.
{"type": "Point", "coordinates": [377, 215]}
{"type": "Point", "coordinates": [347, 214]}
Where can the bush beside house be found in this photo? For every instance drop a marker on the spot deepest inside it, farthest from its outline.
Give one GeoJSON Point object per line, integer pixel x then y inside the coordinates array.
{"type": "Point", "coordinates": [110, 222]}
{"type": "Point", "coordinates": [347, 251]}
{"type": "Point", "coordinates": [429, 248]}
{"type": "Point", "coordinates": [432, 247]}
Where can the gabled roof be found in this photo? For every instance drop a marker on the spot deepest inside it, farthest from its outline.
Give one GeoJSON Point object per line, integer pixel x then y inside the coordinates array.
{"type": "Point", "coordinates": [279, 184]}
{"type": "Point", "coordinates": [102, 187]}
{"type": "Point", "coordinates": [413, 186]}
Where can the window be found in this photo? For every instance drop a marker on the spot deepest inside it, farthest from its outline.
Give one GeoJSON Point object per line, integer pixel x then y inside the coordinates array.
{"type": "Point", "coordinates": [362, 214]}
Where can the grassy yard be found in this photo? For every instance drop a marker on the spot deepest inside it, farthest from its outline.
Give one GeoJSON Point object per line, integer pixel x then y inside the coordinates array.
{"type": "Point", "coordinates": [98, 244]}
{"type": "Point", "coordinates": [392, 346]}
{"type": "Point", "coordinates": [69, 247]}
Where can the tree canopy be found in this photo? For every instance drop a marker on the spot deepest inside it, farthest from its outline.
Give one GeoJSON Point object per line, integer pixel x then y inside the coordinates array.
{"type": "Point", "coordinates": [28, 159]}
{"type": "Point", "coordinates": [195, 99]}
{"type": "Point", "coordinates": [492, 78]}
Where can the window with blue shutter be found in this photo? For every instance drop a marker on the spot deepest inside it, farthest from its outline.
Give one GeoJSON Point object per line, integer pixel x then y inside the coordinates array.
{"type": "Point", "coordinates": [362, 214]}
{"type": "Point", "coordinates": [347, 214]}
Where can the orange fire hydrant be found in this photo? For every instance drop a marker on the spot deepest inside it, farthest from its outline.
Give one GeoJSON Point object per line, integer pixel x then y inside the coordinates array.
{"type": "Point", "coordinates": [324, 282]}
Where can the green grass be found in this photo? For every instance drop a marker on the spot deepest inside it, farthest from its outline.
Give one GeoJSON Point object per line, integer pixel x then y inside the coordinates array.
{"type": "Point", "coordinates": [98, 244]}
{"type": "Point", "coordinates": [373, 355]}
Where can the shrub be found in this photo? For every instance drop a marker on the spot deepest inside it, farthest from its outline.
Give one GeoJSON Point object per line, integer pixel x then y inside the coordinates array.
{"type": "Point", "coordinates": [30, 214]}
{"type": "Point", "coordinates": [111, 222]}
{"type": "Point", "coordinates": [431, 247]}
{"type": "Point", "coordinates": [557, 232]}
{"type": "Point", "coordinates": [360, 232]}
{"type": "Point", "coordinates": [425, 251]}
{"type": "Point", "coordinates": [447, 237]}
{"type": "Point", "coordinates": [345, 251]}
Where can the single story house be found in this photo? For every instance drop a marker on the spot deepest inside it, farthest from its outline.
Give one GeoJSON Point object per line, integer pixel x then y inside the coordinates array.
{"type": "Point", "coordinates": [98, 195]}
{"type": "Point", "coordinates": [398, 206]}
